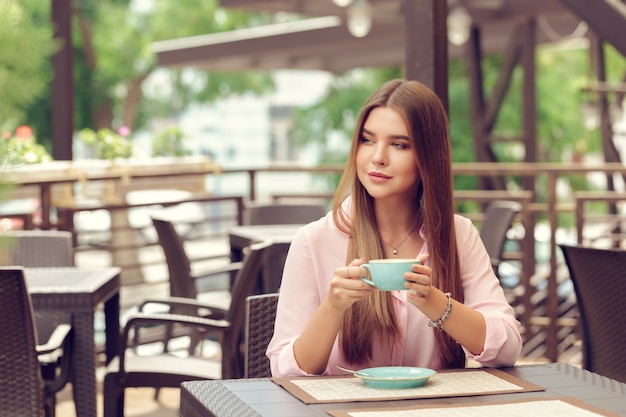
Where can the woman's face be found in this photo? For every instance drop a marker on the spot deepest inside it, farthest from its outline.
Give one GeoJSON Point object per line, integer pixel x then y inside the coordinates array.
{"type": "Point", "coordinates": [385, 161]}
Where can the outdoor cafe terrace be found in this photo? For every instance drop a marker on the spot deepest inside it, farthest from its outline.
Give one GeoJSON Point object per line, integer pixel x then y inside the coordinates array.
{"type": "Point", "coordinates": [117, 196]}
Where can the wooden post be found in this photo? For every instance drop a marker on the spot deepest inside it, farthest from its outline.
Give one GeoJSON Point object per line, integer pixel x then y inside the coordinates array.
{"type": "Point", "coordinates": [62, 82]}
{"type": "Point", "coordinates": [426, 44]}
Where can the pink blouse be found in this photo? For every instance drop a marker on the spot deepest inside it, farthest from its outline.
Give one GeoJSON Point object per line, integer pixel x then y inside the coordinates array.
{"type": "Point", "coordinates": [320, 247]}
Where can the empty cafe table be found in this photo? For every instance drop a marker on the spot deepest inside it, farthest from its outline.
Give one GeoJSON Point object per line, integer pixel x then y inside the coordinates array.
{"type": "Point", "coordinates": [240, 237]}
{"type": "Point", "coordinates": [81, 291]}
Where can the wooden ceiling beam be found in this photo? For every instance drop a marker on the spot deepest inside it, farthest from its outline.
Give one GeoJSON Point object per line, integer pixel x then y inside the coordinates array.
{"type": "Point", "coordinates": [607, 19]}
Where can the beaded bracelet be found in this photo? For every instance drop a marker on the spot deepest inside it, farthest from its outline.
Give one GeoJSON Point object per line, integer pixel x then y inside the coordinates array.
{"type": "Point", "coordinates": [438, 323]}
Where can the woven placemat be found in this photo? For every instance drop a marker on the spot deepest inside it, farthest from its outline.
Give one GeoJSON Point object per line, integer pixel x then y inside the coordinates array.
{"type": "Point", "coordinates": [457, 383]}
{"type": "Point", "coordinates": [552, 407]}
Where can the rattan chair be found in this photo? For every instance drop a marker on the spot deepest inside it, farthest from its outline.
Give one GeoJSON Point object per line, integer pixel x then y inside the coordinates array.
{"type": "Point", "coordinates": [40, 249]}
{"type": "Point", "coordinates": [168, 370]}
{"type": "Point", "coordinates": [184, 281]}
{"type": "Point", "coordinates": [272, 273]}
{"type": "Point", "coordinates": [37, 249]}
{"type": "Point", "coordinates": [496, 223]}
{"type": "Point", "coordinates": [23, 390]}
{"type": "Point", "coordinates": [599, 278]}
{"type": "Point", "coordinates": [265, 214]}
{"type": "Point", "coordinates": [279, 213]}
{"type": "Point", "coordinates": [260, 317]}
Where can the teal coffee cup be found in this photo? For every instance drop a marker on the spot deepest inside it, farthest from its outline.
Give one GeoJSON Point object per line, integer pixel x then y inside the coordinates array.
{"type": "Point", "coordinates": [388, 274]}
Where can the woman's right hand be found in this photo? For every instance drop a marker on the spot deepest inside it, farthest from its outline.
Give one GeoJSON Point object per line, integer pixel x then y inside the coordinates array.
{"type": "Point", "coordinates": [347, 287]}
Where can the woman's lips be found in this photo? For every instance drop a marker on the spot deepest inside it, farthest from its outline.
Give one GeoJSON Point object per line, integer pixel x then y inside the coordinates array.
{"type": "Point", "coordinates": [378, 177]}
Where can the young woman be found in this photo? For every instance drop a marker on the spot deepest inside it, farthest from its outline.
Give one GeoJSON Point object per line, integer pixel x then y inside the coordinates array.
{"type": "Point", "coordinates": [394, 200]}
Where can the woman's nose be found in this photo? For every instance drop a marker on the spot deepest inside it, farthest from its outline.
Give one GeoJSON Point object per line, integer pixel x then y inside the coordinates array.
{"type": "Point", "coordinates": [380, 156]}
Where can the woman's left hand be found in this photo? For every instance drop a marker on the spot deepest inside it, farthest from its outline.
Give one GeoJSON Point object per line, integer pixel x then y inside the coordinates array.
{"type": "Point", "coordinates": [419, 282]}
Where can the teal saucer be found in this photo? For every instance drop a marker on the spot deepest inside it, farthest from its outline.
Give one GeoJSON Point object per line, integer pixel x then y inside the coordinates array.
{"type": "Point", "coordinates": [394, 377]}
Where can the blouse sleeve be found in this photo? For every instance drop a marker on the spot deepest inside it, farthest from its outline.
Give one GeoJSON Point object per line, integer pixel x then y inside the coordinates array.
{"type": "Point", "coordinates": [300, 296]}
{"type": "Point", "coordinates": [483, 292]}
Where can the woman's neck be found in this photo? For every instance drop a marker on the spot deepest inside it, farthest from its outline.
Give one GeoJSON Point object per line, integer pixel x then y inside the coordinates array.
{"type": "Point", "coordinates": [396, 218]}
{"type": "Point", "coordinates": [398, 230]}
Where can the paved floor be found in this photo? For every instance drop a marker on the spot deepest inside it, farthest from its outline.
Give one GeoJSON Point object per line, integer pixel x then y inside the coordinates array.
{"type": "Point", "coordinates": [139, 402]}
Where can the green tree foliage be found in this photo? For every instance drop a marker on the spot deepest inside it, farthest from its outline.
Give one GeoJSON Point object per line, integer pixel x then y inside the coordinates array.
{"type": "Point", "coordinates": [561, 74]}
{"type": "Point", "coordinates": [170, 142]}
{"type": "Point", "coordinates": [113, 57]}
{"type": "Point", "coordinates": [25, 45]}
{"type": "Point", "coordinates": [122, 36]}
{"type": "Point", "coordinates": [22, 148]}
{"type": "Point", "coordinates": [330, 123]}
{"type": "Point", "coordinates": [106, 144]}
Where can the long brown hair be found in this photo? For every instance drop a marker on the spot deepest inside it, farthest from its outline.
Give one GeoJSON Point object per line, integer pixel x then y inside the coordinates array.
{"type": "Point", "coordinates": [427, 123]}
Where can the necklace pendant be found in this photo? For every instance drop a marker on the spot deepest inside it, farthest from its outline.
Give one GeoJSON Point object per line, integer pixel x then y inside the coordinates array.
{"type": "Point", "coordinates": [395, 251]}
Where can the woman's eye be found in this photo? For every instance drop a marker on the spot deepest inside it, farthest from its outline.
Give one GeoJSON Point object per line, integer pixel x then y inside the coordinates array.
{"type": "Point", "coordinates": [400, 145]}
{"type": "Point", "coordinates": [365, 140]}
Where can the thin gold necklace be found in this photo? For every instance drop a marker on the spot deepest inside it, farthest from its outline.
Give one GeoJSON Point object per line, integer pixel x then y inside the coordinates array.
{"type": "Point", "coordinates": [394, 248]}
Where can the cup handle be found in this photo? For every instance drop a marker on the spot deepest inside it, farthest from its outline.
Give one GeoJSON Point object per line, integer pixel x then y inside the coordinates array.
{"type": "Point", "coordinates": [364, 279]}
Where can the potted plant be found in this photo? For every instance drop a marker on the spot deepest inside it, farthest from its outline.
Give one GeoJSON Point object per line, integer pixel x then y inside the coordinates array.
{"type": "Point", "coordinates": [21, 147]}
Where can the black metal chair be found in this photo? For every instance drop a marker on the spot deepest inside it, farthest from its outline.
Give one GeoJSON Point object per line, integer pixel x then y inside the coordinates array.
{"type": "Point", "coordinates": [168, 370]}
{"type": "Point", "coordinates": [259, 328]}
{"type": "Point", "coordinates": [23, 390]}
{"type": "Point", "coordinates": [599, 278]}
